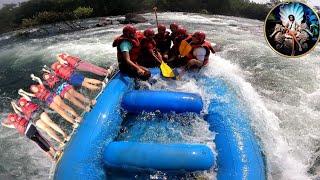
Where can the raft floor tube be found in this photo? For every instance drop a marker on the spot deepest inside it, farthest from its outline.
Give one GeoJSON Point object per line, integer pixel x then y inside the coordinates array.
{"type": "Point", "coordinates": [136, 101]}
{"type": "Point", "coordinates": [161, 157]}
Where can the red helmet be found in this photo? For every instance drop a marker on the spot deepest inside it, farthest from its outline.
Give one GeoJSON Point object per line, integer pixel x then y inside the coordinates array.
{"type": "Point", "coordinates": [174, 25]}
{"type": "Point", "coordinates": [10, 116]}
{"type": "Point", "coordinates": [161, 27]}
{"type": "Point", "coordinates": [200, 35]}
{"type": "Point", "coordinates": [22, 100]}
{"type": "Point", "coordinates": [181, 31]}
{"type": "Point", "coordinates": [54, 65]}
{"type": "Point", "coordinates": [129, 30]}
{"type": "Point", "coordinates": [148, 32]}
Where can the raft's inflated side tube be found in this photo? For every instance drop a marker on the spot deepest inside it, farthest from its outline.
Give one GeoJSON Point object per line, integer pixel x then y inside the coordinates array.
{"type": "Point", "coordinates": [161, 157]}
{"type": "Point", "coordinates": [136, 101]}
{"type": "Point", "coordinates": [239, 154]}
{"type": "Point", "coordinates": [82, 157]}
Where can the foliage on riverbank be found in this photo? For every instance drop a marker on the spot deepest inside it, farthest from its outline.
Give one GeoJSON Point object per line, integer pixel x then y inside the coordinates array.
{"type": "Point", "coordinates": [39, 12]}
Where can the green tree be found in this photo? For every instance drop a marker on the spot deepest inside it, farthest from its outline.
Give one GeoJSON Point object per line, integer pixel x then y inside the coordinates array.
{"type": "Point", "coordinates": [82, 12]}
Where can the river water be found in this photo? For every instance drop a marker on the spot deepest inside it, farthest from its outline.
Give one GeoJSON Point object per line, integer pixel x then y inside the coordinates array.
{"type": "Point", "coordinates": [282, 95]}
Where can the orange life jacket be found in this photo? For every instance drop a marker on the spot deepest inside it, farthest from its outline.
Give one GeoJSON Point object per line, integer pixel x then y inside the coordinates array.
{"type": "Point", "coordinates": [207, 45]}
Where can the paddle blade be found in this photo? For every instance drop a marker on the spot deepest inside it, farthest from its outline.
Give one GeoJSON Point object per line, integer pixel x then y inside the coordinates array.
{"type": "Point", "coordinates": [184, 48]}
{"type": "Point", "coordinates": [166, 70]}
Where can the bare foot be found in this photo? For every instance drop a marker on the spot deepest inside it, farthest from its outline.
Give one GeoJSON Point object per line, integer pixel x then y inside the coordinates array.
{"type": "Point", "coordinates": [103, 84]}
{"type": "Point", "coordinates": [109, 71]}
{"type": "Point", "coordinates": [292, 54]}
{"type": "Point", "coordinates": [67, 138]}
{"type": "Point", "coordinates": [93, 102]}
{"type": "Point", "coordinates": [79, 119]}
{"type": "Point", "coordinates": [88, 109]}
{"type": "Point", "coordinates": [58, 152]}
{"type": "Point", "coordinates": [62, 144]}
{"type": "Point", "coordinates": [75, 125]}
{"type": "Point", "coordinates": [106, 80]}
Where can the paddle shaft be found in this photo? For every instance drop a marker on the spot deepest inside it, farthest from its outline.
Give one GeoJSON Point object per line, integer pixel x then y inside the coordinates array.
{"type": "Point", "coordinates": [155, 11]}
{"type": "Point", "coordinates": [183, 69]}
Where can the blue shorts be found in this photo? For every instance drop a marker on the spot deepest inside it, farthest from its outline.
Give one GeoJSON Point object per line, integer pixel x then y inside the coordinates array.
{"type": "Point", "coordinates": [76, 79]}
{"type": "Point", "coordinates": [49, 100]}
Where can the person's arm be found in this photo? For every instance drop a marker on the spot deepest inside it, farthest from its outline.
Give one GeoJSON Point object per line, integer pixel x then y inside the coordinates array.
{"type": "Point", "coordinates": [45, 70]}
{"type": "Point", "coordinates": [22, 93]}
{"type": "Point", "coordinates": [35, 78]}
{"type": "Point", "coordinates": [194, 62]}
{"type": "Point", "coordinates": [125, 47]}
{"type": "Point", "coordinates": [48, 70]}
{"type": "Point", "coordinates": [8, 125]}
{"type": "Point", "coordinates": [61, 61]}
{"type": "Point", "coordinates": [200, 54]}
{"type": "Point", "coordinates": [15, 107]}
{"type": "Point", "coordinates": [156, 57]}
{"type": "Point", "coordinates": [130, 63]}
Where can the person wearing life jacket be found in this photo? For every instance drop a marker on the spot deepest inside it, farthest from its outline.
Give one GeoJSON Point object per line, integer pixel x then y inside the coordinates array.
{"type": "Point", "coordinates": [176, 60]}
{"type": "Point", "coordinates": [173, 27]}
{"type": "Point", "coordinates": [150, 56]}
{"type": "Point", "coordinates": [128, 53]}
{"type": "Point", "coordinates": [53, 101]}
{"type": "Point", "coordinates": [163, 41]}
{"type": "Point", "coordinates": [26, 128]}
{"type": "Point", "coordinates": [81, 65]}
{"type": "Point", "coordinates": [39, 118]}
{"type": "Point", "coordinates": [67, 73]}
{"type": "Point", "coordinates": [66, 91]}
{"type": "Point", "coordinates": [199, 55]}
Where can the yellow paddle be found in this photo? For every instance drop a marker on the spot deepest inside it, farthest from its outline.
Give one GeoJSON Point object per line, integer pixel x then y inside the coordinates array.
{"type": "Point", "coordinates": [184, 48]}
{"type": "Point", "coordinates": [166, 70]}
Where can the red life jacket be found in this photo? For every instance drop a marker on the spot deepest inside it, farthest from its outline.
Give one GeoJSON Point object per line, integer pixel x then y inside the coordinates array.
{"type": "Point", "coordinates": [28, 108]}
{"type": "Point", "coordinates": [173, 36]}
{"type": "Point", "coordinates": [144, 42]}
{"type": "Point", "coordinates": [20, 124]}
{"type": "Point", "coordinates": [65, 72]}
{"type": "Point", "coordinates": [134, 53]}
{"type": "Point", "coordinates": [52, 81]}
{"type": "Point", "coordinates": [207, 45]}
{"type": "Point", "coordinates": [163, 42]}
{"type": "Point", "coordinates": [71, 60]}
{"type": "Point", "coordinates": [43, 93]}
{"type": "Point", "coordinates": [177, 42]}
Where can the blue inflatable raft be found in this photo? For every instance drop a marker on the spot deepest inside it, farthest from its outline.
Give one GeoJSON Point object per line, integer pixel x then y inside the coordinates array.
{"type": "Point", "coordinates": [92, 151]}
